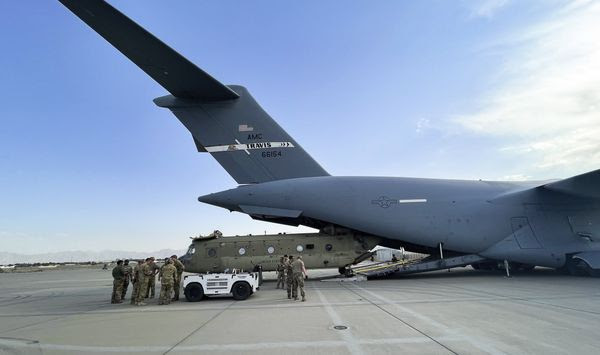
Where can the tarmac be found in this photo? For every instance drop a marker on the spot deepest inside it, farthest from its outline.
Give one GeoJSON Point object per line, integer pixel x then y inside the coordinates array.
{"type": "Point", "coordinates": [459, 312]}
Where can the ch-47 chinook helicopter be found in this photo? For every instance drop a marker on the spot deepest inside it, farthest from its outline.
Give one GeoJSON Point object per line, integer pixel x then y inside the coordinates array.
{"type": "Point", "coordinates": [215, 253]}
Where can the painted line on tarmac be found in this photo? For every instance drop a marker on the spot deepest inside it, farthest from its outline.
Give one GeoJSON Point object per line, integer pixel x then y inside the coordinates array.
{"type": "Point", "coordinates": [197, 329]}
{"type": "Point", "coordinates": [14, 343]}
{"type": "Point", "coordinates": [346, 335]}
{"type": "Point", "coordinates": [125, 309]}
{"type": "Point", "coordinates": [69, 280]}
{"type": "Point", "coordinates": [483, 346]}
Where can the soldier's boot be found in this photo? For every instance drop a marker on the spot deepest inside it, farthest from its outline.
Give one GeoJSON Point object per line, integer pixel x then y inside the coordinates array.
{"type": "Point", "coordinates": [289, 295]}
{"type": "Point", "coordinates": [303, 299]}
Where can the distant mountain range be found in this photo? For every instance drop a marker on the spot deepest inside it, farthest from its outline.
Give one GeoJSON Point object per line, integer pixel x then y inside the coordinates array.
{"type": "Point", "coordinates": [81, 256]}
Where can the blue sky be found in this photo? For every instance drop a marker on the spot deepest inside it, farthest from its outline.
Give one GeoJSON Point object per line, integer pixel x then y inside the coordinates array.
{"type": "Point", "coordinates": [492, 89]}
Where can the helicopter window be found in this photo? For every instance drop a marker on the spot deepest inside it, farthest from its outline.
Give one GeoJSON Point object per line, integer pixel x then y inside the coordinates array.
{"type": "Point", "coordinates": [328, 247]}
{"type": "Point", "coordinates": [299, 248]}
{"type": "Point", "coordinates": [191, 250]}
{"type": "Point", "coordinates": [212, 252]}
{"type": "Point", "coordinates": [310, 246]}
{"type": "Point", "coordinates": [242, 251]}
{"type": "Point", "coordinates": [270, 250]}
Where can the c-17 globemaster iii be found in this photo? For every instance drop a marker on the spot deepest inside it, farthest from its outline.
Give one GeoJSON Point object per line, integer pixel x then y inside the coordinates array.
{"type": "Point", "coordinates": [548, 223]}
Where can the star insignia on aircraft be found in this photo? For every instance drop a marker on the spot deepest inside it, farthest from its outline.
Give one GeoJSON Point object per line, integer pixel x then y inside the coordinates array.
{"type": "Point", "coordinates": [384, 202]}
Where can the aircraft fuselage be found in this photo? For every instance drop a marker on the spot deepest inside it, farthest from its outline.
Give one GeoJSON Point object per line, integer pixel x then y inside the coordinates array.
{"type": "Point", "coordinates": [470, 217]}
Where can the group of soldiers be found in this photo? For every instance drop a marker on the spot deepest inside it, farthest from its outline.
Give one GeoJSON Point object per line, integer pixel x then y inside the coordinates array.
{"type": "Point", "coordinates": [143, 277]}
{"type": "Point", "coordinates": [291, 273]}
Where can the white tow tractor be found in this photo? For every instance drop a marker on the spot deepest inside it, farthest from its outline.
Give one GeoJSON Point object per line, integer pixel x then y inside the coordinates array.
{"type": "Point", "coordinates": [240, 285]}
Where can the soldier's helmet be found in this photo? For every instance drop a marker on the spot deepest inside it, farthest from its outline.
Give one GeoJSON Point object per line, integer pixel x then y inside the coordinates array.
{"type": "Point", "coordinates": [169, 261]}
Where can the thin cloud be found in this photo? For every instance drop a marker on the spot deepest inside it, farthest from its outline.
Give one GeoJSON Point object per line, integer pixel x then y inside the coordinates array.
{"type": "Point", "coordinates": [422, 125]}
{"type": "Point", "coordinates": [515, 177]}
{"type": "Point", "coordinates": [484, 8]}
{"type": "Point", "coordinates": [548, 105]}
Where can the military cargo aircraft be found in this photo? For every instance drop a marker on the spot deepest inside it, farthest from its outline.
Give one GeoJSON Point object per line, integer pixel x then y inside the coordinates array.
{"type": "Point", "coordinates": [548, 223]}
{"type": "Point", "coordinates": [215, 253]}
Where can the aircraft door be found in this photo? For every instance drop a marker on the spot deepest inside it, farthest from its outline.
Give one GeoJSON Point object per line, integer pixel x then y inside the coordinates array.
{"type": "Point", "coordinates": [524, 234]}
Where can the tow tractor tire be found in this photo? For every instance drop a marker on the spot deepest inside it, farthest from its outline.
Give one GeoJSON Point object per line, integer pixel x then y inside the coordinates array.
{"type": "Point", "coordinates": [241, 290]}
{"type": "Point", "coordinates": [194, 292]}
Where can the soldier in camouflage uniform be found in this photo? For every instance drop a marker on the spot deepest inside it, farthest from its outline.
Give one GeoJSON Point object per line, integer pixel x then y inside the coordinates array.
{"type": "Point", "coordinates": [180, 268]}
{"type": "Point", "coordinates": [167, 276]}
{"type": "Point", "coordinates": [136, 277]}
{"type": "Point", "coordinates": [299, 274]}
{"type": "Point", "coordinates": [281, 271]}
{"type": "Point", "coordinates": [118, 275]}
{"type": "Point", "coordinates": [146, 272]}
{"type": "Point", "coordinates": [128, 276]}
{"type": "Point", "coordinates": [152, 279]}
{"type": "Point", "coordinates": [289, 276]}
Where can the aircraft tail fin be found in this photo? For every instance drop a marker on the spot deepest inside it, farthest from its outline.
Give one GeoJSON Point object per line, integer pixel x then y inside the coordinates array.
{"type": "Point", "coordinates": [163, 64]}
{"type": "Point", "coordinates": [224, 120]}
{"type": "Point", "coordinates": [243, 138]}
{"type": "Point", "coordinates": [584, 185]}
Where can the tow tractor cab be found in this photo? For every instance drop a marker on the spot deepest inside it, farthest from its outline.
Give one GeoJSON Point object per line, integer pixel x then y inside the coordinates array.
{"type": "Point", "coordinates": [215, 253]}
{"type": "Point", "coordinates": [240, 285]}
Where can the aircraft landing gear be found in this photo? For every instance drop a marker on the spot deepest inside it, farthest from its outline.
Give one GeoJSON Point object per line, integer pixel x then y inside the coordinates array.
{"type": "Point", "coordinates": [578, 267]}
{"type": "Point", "coordinates": [345, 270]}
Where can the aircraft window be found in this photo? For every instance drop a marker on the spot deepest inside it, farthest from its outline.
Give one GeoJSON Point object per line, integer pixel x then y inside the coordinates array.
{"type": "Point", "coordinates": [310, 246]}
{"type": "Point", "coordinates": [328, 247]}
{"type": "Point", "coordinates": [191, 250]}
{"type": "Point", "coordinates": [212, 252]}
{"type": "Point", "coordinates": [270, 250]}
{"type": "Point", "coordinates": [242, 251]}
{"type": "Point", "coordinates": [299, 248]}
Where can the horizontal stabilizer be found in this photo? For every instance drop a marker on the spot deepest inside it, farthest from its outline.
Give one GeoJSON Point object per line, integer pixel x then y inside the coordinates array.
{"type": "Point", "coordinates": [243, 138]}
{"type": "Point", "coordinates": [584, 185]}
{"type": "Point", "coordinates": [170, 69]}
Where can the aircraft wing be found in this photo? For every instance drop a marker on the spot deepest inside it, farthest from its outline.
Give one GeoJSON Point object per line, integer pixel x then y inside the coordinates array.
{"type": "Point", "coordinates": [585, 185]}
{"type": "Point", "coordinates": [170, 69]}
